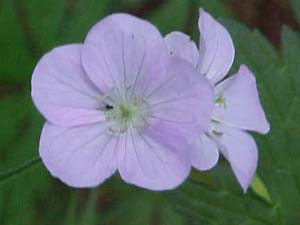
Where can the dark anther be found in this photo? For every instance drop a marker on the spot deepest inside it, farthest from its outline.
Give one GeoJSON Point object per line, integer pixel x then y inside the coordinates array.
{"type": "Point", "coordinates": [109, 107]}
{"type": "Point", "coordinates": [218, 133]}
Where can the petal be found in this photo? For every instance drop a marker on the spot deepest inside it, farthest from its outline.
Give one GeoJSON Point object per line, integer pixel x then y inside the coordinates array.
{"type": "Point", "coordinates": [181, 98]}
{"type": "Point", "coordinates": [240, 150]}
{"type": "Point", "coordinates": [182, 46]}
{"type": "Point", "coordinates": [155, 158]}
{"type": "Point", "coordinates": [115, 50]}
{"type": "Point", "coordinates": [83, 156]}
{"type": "Point", "coordinates": [204, 153]}
{"type": "Point", "coordinates": [216, 48]}
{"type": "Point", "coordinates": [62, 91]}
{"type": "Point", "coordinates": [242, 107]}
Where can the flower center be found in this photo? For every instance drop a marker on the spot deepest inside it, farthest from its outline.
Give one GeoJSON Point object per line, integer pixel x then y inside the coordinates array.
{"type": "Point", "coordinates": [123, 113]}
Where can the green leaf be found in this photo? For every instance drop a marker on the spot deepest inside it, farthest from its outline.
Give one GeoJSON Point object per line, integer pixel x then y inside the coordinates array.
{"type": "Point", "coordinates": [296, 7]}
{"type": "Point", "coordinates": [216, 7]}
{"type": "Point", "coordinates": [260, 188]}
{"type": "Point", "coordinates": [42, 32]}
{"type": "Point", "coordinates": [16, 58]}
{"type": "Point", "coordinates": [223, 204]}
{"type": "Point", "coordinates": [12, 110]}
{"type": "Point", "coordinates": [164, 18]}
{"type": "Point", "coordinates": [82, 17]}
{"type": "Point", "coordinates": [290, 50]}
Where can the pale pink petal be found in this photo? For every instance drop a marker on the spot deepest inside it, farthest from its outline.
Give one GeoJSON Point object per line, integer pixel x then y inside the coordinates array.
{"type": "Point", "coordinates": [62, 91]}
{"type": "Point", "coordinates": [155, 159]}
{"type": "Point", "coordinates": [82, 156]}
{"type": "Point", "coordinates": [240, 150]}
{"type": "Point", "coordinates": [182, 46]}
{"type": "Point", "coordinates": [242, 108]}
{"type": "Point", "coordinates": [116, 49]}
{"type": "Point", "coordinates": [204, 153]}
{"type": "Point", "coordinates": [216, 48]}
{"type": "Point", "coordinates": [181, 98]}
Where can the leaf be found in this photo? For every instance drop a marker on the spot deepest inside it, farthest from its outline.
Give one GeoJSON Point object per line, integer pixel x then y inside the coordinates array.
{"type": "Point", "coordinates": [82, 16]}
{"type": "Point", "coordinates": [216, 7]}
{"type": "Point", "coordinates": [42, 32]}
{"type": "Point", "coordinates": [165, 19]}
{"type": "Point", "coordinates": [290, 50]}
{"type": "Point", "coordinates": [10, 105]}
{"type": "Point", "coordinates": [260, 189]}
{"type": "Point", "coordinates": [222, 205]}
{"type": "Point", "coordinates": [16, 58]}
{"type": "Point", "coordinates": [296, 7]}
{"type": "Point", "coordinates": [279, 156]}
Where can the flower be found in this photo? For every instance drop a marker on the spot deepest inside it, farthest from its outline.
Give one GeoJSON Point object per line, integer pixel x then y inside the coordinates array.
{"type": "Point", "coordinates": [237, 106]}
{"type": "Point", "coordinates": [119, 101]}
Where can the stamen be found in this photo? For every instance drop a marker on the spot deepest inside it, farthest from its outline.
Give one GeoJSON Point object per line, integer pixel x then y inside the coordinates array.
{"type": "Point", "coordinates": [220, 100]}
{"type": "Point", "coordinates": [216, 128]}
{"type": "Point", "coordinates": [217, 133]}
{"type": "Point", "coordinates": [109, 107]}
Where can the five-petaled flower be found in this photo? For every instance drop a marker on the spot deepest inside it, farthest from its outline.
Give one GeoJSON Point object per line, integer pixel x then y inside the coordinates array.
{"type": "Point", "coordinates": [237, 105]}
{"type": "Point", "coordinates": [120, 101]}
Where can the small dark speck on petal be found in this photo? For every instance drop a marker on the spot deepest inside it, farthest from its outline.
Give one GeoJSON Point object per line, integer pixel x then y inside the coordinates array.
{"type": "Point", "coordinates": [109, 107]}
{"type": "Point", "coordinates": [217, 133]}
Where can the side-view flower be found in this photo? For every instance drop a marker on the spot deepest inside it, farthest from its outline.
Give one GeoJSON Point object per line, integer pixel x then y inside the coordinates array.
{"type": "Point", "coordinates": [237, 106]}
{"type": "Point", "coordinates": [120, 101]}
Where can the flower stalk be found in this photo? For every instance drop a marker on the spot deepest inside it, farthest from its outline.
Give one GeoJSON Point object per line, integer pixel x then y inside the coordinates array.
{"type": "Point", "coordinates": [5, 176]}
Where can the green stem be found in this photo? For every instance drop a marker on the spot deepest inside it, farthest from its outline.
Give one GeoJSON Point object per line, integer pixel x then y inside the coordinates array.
{"type": "Point", "coordinates": [89, 214]}
{"type": "Point", "coordinates": [18, 170]}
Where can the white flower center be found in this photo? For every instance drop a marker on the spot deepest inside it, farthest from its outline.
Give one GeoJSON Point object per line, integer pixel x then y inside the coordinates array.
{"type": "Point", "coordinates": [129, 111]}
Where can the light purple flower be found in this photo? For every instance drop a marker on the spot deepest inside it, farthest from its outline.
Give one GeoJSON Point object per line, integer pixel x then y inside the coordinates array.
{"type": "Point", "coordinates": [237, 105]}
{"type": "Point", "coordinates": [121, 102]}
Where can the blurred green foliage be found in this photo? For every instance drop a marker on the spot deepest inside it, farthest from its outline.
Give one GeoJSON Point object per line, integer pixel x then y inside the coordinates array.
{"type": "Point", "coordinates": [30, 28]}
